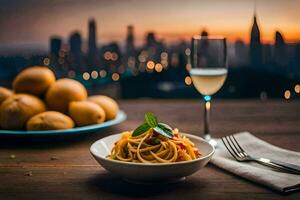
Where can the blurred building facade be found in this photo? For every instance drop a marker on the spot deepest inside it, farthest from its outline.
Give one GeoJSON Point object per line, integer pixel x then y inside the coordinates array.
{"type": "Point", "coordinates": [92, 43]}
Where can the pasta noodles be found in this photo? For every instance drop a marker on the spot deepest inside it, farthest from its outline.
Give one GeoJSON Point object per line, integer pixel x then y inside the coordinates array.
{"type": "Point", "coordinates": [151, 147]}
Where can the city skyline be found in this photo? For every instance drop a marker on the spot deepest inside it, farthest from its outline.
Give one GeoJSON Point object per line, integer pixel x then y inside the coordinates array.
{"type": "Point", "coordinates": [95, 63]}
{"type": "Point", "coordinates": [181, 21]}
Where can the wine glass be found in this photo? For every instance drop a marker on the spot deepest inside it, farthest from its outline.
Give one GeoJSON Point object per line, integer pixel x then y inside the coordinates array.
{"type": "Point", "coordinates": [208, 72]}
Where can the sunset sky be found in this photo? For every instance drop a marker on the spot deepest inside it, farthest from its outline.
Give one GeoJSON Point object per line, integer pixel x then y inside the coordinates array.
{"type": "Point", "coordinates": [34, 21]}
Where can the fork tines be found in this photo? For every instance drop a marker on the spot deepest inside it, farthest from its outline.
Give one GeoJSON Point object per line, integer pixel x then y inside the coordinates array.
{"type": "Point", "coordinates": [234, 148]}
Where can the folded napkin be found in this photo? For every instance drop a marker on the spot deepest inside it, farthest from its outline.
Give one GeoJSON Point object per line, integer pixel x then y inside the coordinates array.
{"type": "Point", "coordinates": [255, 172]}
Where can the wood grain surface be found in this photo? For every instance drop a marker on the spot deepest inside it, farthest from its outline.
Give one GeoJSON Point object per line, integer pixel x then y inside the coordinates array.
{"type": "Point", "coordinates": [62, 167]}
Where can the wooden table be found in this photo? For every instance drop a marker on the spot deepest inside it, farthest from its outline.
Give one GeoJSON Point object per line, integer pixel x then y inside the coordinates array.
{"type": "Point", "coordinates": [62, 168]}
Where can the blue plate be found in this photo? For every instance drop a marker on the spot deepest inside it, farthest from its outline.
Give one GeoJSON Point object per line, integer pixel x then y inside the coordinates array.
{"type": "Point", "coordinates": [77, 130]}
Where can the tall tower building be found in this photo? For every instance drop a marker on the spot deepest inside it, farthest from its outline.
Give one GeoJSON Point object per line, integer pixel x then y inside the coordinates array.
{"type": "Point", "coordinates": [150, 39]}
{"type": "Point", "coordinates": [130, 49]}
{"type": "Point", "coordinates": [92, 43]}
{"type": "Point", "coordinates": [255, 44]}
{"type": "Point", "coordinates": [75, 43]}
{"type": "Point", "coordinates": [55, 45]}
{"type": "Point", "coordinates": [240, 53]}
{"type": "Point", "coordinates": [280, 57]}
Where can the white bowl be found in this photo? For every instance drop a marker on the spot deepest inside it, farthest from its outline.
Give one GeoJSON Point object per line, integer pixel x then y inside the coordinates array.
{"type": "Point", "coordinates": [157, 172]}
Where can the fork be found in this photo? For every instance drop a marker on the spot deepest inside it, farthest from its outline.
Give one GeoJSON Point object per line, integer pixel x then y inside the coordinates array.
{"type": "Point", "coordinates": [239, 154]}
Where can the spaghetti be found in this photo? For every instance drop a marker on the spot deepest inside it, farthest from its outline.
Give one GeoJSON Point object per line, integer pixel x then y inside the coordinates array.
{"type": "Point", "coordinates": [151, 147]}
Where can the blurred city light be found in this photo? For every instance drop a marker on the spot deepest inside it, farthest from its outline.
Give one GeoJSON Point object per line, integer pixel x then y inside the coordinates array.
{"type": "Point", "coordinates": [86, 76]}
{"type": "Point", "coordinates": [297, 89]}
{"type": "Point", "coordinates": [114, 56]}
{"type": "Point", "coordinates": [150, 64]}
{"type": "Point", "coordinates": [71, 74]}
{"type": "Point", "coordinates": [46, 61]}
{"type": "Point", "coordinates": [187, 51]}
{"type": "Point", "coordinates": [287, 94]}
{"type": "Point", "coordinates": [102, 73]}
{"type": "Point", "coordinates": [158, 67]}
{"type": "Point", "coordinates": [188, 80]}
{"type": "Point", "coordinates": [107, 55]}
{"type": "Point", "coordinates": [94, 74]}
{"type": "Point", "coordinates": [164, 55]}
{"type": "Point", "coordinates": [115, 76]}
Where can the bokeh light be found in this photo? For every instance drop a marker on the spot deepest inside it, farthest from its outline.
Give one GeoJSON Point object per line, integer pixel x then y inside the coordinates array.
{"type": "Point", "coordinates": [158, 67]}
{"type": "Point", "coordinates": [102, 73]}
{"type": "Point", "coordinates": [46, 61]}
{"type": "Point", "coordinates": [115, 76]}
{"type": "Point", "coordinates": [187, 51]}
{"type": "Point", "coordinates": [188, 80]}
{"type": "Point", "coordinates": [86, 76]}
{"type": "Point", "coordinates": [107, 55]}
{"type": "Point", "coordinates": [71, 74]}
{"type": "Point", "coordinates": [114, 56]}
{"type": "Point", "coordinates": [297, 88]}
{"type": "Point", "coordinates": [150, 64]}
{"type": "Point", "coordinates": [164, 55]}
{"type": "Point", "coordinates": [94, 74]}
{"type": "Point", "coordinates": [287, 94]}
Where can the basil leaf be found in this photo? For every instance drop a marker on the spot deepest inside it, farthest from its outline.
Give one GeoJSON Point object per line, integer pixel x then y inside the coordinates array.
{"type": "Point", "coordinates": [163, 132]}
{"type": "Point", "coordinates": [151, 119]}
{"type": "Point", "coordinates": [141, 129]}
{"type": "Point", "coordinates": [165, 127]}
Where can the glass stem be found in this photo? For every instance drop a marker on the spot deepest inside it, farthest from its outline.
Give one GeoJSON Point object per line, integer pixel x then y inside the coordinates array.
{"type": "Point", "coordinates": [207, 100]}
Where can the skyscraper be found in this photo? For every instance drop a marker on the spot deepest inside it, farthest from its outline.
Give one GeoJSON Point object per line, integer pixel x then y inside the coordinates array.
{"type": "Point", "coordinates": [75, 50]}
{"type": "Point", "coordinates": [92, 43]}
{"type": "Point", "coordinates": [204, 33]}
{"type": "Point", "coordinates": [280, 57]}
{"type": "Point", "coordinates": [75, 44]}
{"type": "Point", "coordinates": [55, 45]}
{"type": "Point", "coordinates": [279, 38]}
{"type": "Point", "coordinates": [150, 39]}
{"type": "Point", "coordinates": [255, 45]}
{"type": "Point", "coordinates": [240, 53]}
{"type": "Point", "coordinates": [130, 49]}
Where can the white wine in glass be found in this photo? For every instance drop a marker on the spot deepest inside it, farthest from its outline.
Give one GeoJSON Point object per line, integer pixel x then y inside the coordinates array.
{"type": "Point", "coordinates": [208, 81]}
{"type": "Point", "coordinates": [209, 72]}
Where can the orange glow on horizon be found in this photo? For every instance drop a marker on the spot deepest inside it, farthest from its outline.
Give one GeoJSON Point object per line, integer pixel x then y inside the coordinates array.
{"type": "Point", "coordinates": [182, 20]}
{"type": "Point", "coordinates": [266, 37]}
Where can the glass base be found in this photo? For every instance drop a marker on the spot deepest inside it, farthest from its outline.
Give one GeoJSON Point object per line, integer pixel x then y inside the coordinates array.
{"type": "Point", "coordinates": [211, 140]}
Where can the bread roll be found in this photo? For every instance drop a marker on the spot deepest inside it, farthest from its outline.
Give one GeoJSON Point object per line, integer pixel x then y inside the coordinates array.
{"type": "Point", "coordinates": [49, 120]}
{"type": "Point", "coordinates": [109, 105]}
{"type": "Point", "coordinates": [33, 80]}
{"type": "Point", "coordinates": [4, 94]}
{"type": "Point", "coordinates": [17, 109]}
{"type": "Point", "coordinates": [86, 113]}
{"type": "Point", "coordinates": [64, 91]}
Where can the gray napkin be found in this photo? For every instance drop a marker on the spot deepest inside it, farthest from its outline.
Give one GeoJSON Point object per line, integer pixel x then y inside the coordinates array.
{"type": "Point", "coordinates": [255, 172]}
